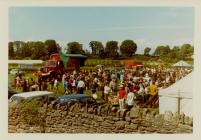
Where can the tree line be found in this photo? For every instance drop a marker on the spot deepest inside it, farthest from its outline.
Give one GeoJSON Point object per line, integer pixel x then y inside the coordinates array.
{"type": "Point", "coordinates": [127, 48]}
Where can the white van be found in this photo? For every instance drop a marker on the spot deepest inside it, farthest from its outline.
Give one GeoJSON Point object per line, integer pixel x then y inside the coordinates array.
{"type": "Point", "coordinates": [17, 98]}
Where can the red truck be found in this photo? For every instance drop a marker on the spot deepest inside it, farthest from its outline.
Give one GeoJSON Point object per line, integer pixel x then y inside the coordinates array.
{"type": "Point", "coordinates": [58, 64]}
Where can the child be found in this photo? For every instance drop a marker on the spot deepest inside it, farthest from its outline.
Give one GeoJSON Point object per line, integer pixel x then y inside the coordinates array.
{"type": "Point", "coordinates": [121, 97]}
{"type": "Point", "coordinates": [94, 86]}
{"type": "Point", "coordinates": [107, 90]}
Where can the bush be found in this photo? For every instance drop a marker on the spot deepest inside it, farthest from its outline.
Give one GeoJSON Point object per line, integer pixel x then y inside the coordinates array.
{"type": "Point", "coordinates": [29, 111]}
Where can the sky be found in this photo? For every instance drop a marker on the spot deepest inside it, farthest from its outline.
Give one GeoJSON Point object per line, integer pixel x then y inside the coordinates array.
{"type": "Point", "coordinates": [146, 26]}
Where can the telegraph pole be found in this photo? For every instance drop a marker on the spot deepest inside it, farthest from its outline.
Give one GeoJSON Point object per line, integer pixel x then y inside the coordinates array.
{"type": "Point", "coordinates": [178, 102]}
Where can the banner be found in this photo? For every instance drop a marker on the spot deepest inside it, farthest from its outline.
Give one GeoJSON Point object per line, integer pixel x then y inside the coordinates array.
{"type": "Point", "coordinates": [64, 58]}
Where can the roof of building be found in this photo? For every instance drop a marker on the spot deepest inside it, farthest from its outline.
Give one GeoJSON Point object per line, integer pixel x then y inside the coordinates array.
{"type": "Point", "coordinates": [25, 61]}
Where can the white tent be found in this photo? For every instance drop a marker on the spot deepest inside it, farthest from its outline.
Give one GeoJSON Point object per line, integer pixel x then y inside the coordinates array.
{"type": "Point", "coordinates": [178, 97]}
{"type": "Point", "coordinates": [181, 64]}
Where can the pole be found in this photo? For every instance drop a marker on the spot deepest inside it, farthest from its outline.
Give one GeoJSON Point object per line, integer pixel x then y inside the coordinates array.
{"type": "Point", "coordinates": [178, 103]}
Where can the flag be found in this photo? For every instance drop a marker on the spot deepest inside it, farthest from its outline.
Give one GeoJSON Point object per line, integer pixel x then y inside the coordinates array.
{"type": "Point", "coordinates": [64, 58]}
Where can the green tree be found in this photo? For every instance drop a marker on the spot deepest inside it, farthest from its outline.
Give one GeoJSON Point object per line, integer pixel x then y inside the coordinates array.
{"type": "Point", "coordinates": [186, 50]}
{"type": "Point", "coordinates": [74, 48]}
{"type": "Point", "coordinates": [39, 51]}
{"type": "Point", "coordinates": [111, 49]}
{"type": "Point", "coordinates": [21, 50]}
{"type": "Point", "coordinates": [26, 51]}
{"type": "Point", "coordinates": [175, 49]}
{"type": "Point", "coordinates": [174, 54]}
{"type": "Point", "coordinates": [51, 47]}
{"type": "Point", "coordinates": [128, 47]}
{"type": "Point", "coordinates": [16, 47]}
{"type": "Point", "coordinates": [162, 50]}
{"type": "Point", "coordinates": [11, 52]}
{"type": "Point", "coordinates": [147, 51]}
{"type": "Point", "coordinates": [96, 48]}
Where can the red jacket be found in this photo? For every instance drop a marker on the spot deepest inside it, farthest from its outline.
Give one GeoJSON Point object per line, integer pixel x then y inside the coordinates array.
{"type": "Point", "coordinates": [70, 82]}
{"type": "Point", "coordinates": [122, 93]}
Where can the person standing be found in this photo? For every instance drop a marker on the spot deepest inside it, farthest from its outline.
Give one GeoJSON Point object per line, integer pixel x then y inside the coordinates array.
{"type": "Point", "coordinates": [153, 90]}
{"type": "Point", "coordinates": [65, 84]}
{"type": "Point", "coordinates": [121, 97]}
{"type": "Point", "coordinates": [113, 85]}
{"type": "Point", "coordinates": [63, 80]}
{"type": "Point", "coordinates": [121, 77]}
{"type": "Point", "coordinates": [74, 85]}
{"type": "Point", "coordinates": [70, 84]}
{"type": "Point", "coordinates": [152, 93]}
{"type": "Point", "coordinates": [81, 86]}
{"type": "Point", "coordinates": [94, 87]}
{"type": "Point", "coordinates": [56, 85]}
{"type": "Point", "coordinates": [107, 90]}
{"type": "Point", "coordinates": [101, 85]}
{"type": "Point", "coordinates": [130, 100]}
{"type": "Point", "coordinates": [27, 84]}
{"type": "Point", "coordinates": [141, 91]}
{"type": "Point", "coordinates": [40, 82]}
{"type": "Point", "coordinates": [24, 85]}
{"type": "Point", "coordinates": [18, 83]}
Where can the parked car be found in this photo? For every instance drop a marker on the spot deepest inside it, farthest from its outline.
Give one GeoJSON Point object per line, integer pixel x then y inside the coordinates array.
{"type": "Point", "coordinates": [33, 95]}
{"type": "Point", "coordinates": [74, 98]}
{"type": "Point", "coordinates": [15, 71]}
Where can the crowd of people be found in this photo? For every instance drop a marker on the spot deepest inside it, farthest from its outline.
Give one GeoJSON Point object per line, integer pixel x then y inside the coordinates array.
{"type": "Point", "coordinates": [25, 84]}
{"type": "Point", "coordinates": [121, 86]}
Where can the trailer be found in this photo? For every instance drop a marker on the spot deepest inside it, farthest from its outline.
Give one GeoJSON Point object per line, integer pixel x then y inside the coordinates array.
{"type": "Point", "coordinates": [59, 63]}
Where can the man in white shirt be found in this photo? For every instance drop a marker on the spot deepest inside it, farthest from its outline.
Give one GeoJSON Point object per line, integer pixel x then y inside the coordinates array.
{"type": "Point", "coordinates": [107, 91]}
{"type": "Point", "coordinates": [81, 86]}
{"type": "Point", "coordinates": [130, 100]}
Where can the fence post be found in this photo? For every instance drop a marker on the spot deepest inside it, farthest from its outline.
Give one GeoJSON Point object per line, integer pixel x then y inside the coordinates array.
{"type": "Point", "coordinates": [178, 103]}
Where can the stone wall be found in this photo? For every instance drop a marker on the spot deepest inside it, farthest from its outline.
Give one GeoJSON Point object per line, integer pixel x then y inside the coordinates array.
{"type": "Point", "coordinates": [77, 119]}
